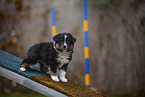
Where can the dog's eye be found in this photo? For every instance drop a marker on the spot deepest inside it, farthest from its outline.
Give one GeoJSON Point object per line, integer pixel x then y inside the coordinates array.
{"type": "Point", "coordinates": [67, 39]}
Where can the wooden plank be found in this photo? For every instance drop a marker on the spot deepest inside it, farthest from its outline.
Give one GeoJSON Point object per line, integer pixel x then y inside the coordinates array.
{"type": "Point", "coordinates": [70, 88]}
{"type": "Point", "coordinates": [10, 65]}
{"type": "Point", "coordinates": [30, 83]}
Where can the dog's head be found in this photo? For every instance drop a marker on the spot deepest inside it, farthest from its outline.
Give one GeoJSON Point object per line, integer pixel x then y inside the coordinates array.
{"type": "Point", "coordinates": [64, 42]}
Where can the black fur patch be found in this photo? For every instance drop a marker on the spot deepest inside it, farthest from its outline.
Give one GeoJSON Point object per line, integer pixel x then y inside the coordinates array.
{"type": "Point", "coordinates": [51, 55]}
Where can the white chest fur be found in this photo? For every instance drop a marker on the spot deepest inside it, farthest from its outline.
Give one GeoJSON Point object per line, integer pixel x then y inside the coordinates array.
{"type": "Point", "coordinates": [63, 58]}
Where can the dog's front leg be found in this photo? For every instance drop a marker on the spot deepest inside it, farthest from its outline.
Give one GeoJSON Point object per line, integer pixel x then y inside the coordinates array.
{"type": "Point", "coordinates": [54, 74]}
{"type": "Point", "coordinates": [62, 73]}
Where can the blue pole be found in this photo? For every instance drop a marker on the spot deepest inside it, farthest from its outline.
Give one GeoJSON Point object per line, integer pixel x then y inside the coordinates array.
{"type": "Point", "coordinates": [53, 21]}
{"type": "Point", "coordinates": [86, 46]}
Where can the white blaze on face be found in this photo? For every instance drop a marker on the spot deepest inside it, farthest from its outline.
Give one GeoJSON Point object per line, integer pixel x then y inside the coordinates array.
{"type": "Point", "coordinates": [65, 36]}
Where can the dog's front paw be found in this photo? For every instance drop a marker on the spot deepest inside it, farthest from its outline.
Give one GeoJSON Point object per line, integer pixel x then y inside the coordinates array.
{"type": "Point", "coordinates": [62, 74]}
{"type": "Point", "coordinates": [63, 79]}
{"type": "Point", "coordinates": [55, 78]}
{"type": "Point", "coordinates": [22, 69]}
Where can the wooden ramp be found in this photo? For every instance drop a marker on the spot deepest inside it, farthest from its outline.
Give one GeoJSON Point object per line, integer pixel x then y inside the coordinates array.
{"type": "Point", "coordinates": [39, 81]}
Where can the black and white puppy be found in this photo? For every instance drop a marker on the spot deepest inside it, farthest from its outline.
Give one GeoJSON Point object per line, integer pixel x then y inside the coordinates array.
{"type": "Point", "coordinates": [52, 55]}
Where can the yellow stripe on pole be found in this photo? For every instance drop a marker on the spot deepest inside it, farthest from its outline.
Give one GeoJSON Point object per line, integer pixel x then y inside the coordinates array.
{"type": "Point", "coordinates": [86, 52]}
{"type": "Point", "coordinates": [87, 79]}
{"type": "Point", "coordinates": [53, 30]}
{"type": "Point", "coordinates": [85, 25]}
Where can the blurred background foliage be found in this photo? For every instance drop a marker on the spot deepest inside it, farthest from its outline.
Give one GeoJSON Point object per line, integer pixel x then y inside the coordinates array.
{"type": "Point", "coordinates": [116, 40]}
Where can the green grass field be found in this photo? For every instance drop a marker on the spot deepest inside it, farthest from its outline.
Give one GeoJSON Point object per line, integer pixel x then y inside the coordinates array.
{"type": "Point", "coordinates": [39, 95]}
{"type": "Point", "coordinates": [21, 95]}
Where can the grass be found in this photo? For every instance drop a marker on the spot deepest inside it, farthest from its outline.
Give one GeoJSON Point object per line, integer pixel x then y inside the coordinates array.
{"type": "Point", "coordinates": [39, 95]}
{"type": "Point", "coordinates": [119, 96]}
{"type": "Point", "coordinates": [21, 95]}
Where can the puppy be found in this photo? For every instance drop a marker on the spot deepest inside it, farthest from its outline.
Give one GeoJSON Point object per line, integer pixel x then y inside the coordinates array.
{"type": "Point", "coordinates": [53, 57]}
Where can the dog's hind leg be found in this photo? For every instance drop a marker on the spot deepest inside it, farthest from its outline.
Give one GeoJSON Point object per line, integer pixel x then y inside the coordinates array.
{"type": "Point", "coordinates": [27, 62]}
{"type": "Point", "coordinates": [44, 68]}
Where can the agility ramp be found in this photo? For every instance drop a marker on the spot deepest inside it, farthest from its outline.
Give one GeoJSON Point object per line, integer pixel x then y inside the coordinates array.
{"type": "Point", "coordinates": [39, 81]}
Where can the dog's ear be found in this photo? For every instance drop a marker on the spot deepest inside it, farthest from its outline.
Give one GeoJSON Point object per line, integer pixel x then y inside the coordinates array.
{"type": "Point", "coordinates": [55, 38]}
{"type": "Point", "coordinates": [74, 39]}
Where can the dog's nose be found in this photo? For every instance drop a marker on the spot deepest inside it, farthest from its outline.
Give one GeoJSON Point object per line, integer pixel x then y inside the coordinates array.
{"type": "Point", "coordinates": [64, 46]}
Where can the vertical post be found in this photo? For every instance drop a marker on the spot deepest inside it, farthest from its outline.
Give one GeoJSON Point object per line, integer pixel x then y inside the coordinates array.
{"type": "Point", "coordinates": [53, 21]}
{"type": "Point", "coordinates": [86, 46]}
